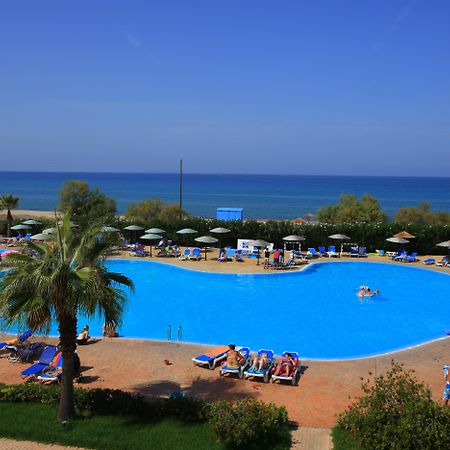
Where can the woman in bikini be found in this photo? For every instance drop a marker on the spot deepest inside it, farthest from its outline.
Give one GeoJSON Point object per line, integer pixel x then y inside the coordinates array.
{"type": "Point", "coordinates": [285, 365]}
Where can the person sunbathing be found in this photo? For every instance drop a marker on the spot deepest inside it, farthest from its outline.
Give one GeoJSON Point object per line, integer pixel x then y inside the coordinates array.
{"type": "Point", "coordinates": [285, 366]}
{"type": "Point", "coordinates": [83, 337]}
{"type": "Point", "coordinates": [234, 358]}
{"type": "Point", "coordinates": [261, 362]}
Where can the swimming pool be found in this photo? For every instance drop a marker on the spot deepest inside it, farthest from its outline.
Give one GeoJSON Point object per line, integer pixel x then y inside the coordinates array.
{"type": "Point", "coordinates": [315, 311]}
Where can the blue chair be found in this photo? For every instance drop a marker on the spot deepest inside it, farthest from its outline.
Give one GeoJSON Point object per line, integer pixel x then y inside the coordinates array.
{"type": "Point", "coordinates": [239, 371]}
{"type": "Point", "coordinates": [294, 377]}
{"type": "Point", "coordinates": [212, 358]}
{"type": "Point", "coordinates": [429, 261]}
{"type": "Point", "coordinates": [253, 372]}
{"type": "Point", "coordinates": [411, 258]}
{"type": "Point", "coordinates": [186, 254]}
{"type": "Point", "coordinates": [332, 253]}
{"type": "Point", "coordinates": [44, 362]}
{"type": "Point", "coordinates": [312, 252]}
{"type": "Point", "coordinates": [362, 252]}
{"type": "Point", "coordinates": [196, 254]}
{"type": "Point", "coordinates": [322, 251]}
{"type": "Point", "coordinates": [20, 340]}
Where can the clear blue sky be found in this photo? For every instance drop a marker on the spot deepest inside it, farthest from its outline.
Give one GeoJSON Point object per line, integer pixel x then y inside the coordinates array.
{"type": "Point", "coordinates": [291, 86]}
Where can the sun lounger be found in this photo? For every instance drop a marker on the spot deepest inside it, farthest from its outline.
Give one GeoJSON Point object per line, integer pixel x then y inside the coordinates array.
{"type": "Point", "coordinates": [186, 254]}
{"type": "Point", "coordinates": [55, 371]}
{"type": "Point", "coordinates": [312, 253]}
{"type": "Point", "coordinates": [196, 254]}
{"type": "Point", "coordinates": [44, 362]}
{"type": "Point", "coordinates": [362, 252]}
{"type": "Point", "coordinates": [323, 251]}
{"type": "Point", "coordinates": [24, 354]}
{"type": "Point", "coordinates": [429, 261]}
{"type": "Point", "coordinates": [239, 371]}
{"type": "Point", "coordinates": [295, 374]}
{"type": "Point", "coordinates": [253, 372]}
{"type": "Point", "coordinates": [212, 358]}
{"type": "Point", "coordinates": [411, 258]}
{"type": "Point", "coordinates": [443, 262]}
{"type": "Point", "coordinates": [332, 253]}
{"type": "Point", "coordinates": [354, 251]}
{"type": "Point", "coordinates": [20, 340]}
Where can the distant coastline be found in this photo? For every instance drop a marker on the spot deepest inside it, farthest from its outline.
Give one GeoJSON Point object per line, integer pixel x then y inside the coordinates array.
{"type": "Point", "coordinates": [280, 197]}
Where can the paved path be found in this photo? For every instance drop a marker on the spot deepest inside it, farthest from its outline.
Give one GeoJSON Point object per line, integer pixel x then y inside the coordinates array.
{"type": "Point", "coordinates": [312, 439]}
{"type": "Point", "coordinates": [10, 444]}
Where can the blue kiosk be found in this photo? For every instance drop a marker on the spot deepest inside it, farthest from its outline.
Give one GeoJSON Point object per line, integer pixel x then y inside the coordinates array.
{"type": "Point", "coordinates": [230, 213]}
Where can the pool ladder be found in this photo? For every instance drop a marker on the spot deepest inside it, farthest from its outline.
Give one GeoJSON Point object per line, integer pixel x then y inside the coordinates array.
{"type": "Point", "coordinates": [179, 333]}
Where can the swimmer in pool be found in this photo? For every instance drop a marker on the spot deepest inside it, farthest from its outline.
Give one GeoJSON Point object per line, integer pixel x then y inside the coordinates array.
{"type": "Point", "coordinates": [364, 291]}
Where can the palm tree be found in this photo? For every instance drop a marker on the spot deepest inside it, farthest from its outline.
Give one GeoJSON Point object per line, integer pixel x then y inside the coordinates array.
{"type": "Point", "coordinates": [9, 202]}
{"type": "Point", "coordinates": [65, 279]}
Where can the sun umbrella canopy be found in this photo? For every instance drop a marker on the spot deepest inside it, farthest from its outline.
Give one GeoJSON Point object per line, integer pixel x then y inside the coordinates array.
{"type": "Point", "coordinates": [404, 234]}
{"type": "Point", "coordinates": [151, 236]}
{"type": "Point", "coordinates": [397, 240]}
{"type": "Point", "coordinates": [220, 230]}
{"type": "Point", "coordinates": [109, 230]}
{"type": "Point", "coordinates": [259, 243]}
{"type": "Point", "coordinates": [187, 231]}
{"type": "Point", "coordinates": [338, 236]}
{"type": "Point", "coordinates": [134, 228]}
{"type": "Point", "coordinates": [31, 222]}
{"type": "Point", "coordinates": [206, 239]}
{"type": "Point", "coordinates": [71, 224]}
{"type": "Point", "coordinates": [155, 231]}
{"type": "Point", "coordinates": [42, 237]}
{"type": "Point", "coordinates": [49, 231]}
{"type": "Point", "coordinates": [444, 244]}
{"type": "Point", "coordinates": [293, 238]}
{"type": "Point", "coordinates": [21, 227]}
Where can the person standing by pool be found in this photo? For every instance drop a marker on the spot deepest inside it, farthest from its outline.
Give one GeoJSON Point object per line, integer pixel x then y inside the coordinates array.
{"type": "Point", "coordinates": [266, 257]}
{"type": "Point", "coordinates": [276, 258]}
{"type": "Point", "coordinates": [446, 395]}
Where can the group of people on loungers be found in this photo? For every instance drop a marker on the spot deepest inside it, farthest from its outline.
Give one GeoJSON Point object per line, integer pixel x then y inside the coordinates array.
{"type": "Point", "coordinates": [284, 367]}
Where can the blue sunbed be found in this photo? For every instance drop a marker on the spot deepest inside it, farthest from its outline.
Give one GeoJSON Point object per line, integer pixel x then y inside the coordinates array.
{"type": "Point", "coordinates": [212, 358]}
{"type": "Point", "coordinates": [21, 339]}
{"type": "Point", "coordinates": [239, 371]}
{"type": "Point", "coordinates": [312, 252]}
{"type": "Point", "coordinates": [265, 372]}
{"type": "Point", "coordinates": [429, 261]}
{"type": "Point", "coordinates": [295, 375]}
{"type": "Point", "coordinates": [332, 253]}
{"type": "Point", "coordinates": [196, 254]}
{"type": "Point", "coordinates": [45, 360]}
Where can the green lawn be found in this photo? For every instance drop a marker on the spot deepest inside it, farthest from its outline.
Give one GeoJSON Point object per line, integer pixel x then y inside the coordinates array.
{"type": "Point", "coordinates": [342, 441]}
{"type": "Point", "coordinates": [36, 422]}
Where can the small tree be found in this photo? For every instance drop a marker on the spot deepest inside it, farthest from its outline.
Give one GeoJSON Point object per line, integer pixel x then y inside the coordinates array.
{"type": "Point", "coordinates": [9, 202]}
{"type": "Point", "coordinates": [154, 209]}
{"type": "Point", "coordinates": [397, 411]}
{"type": "Point", "coordinates": [351, 210]}
{"type": "Point", "coordinates": [77, 199]}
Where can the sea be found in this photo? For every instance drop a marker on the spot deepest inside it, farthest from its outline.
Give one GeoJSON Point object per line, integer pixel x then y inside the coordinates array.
{"type": "Point", "coordinates": [261, 196]}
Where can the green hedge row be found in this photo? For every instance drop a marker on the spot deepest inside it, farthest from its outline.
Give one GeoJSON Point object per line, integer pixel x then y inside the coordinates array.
{"type": "Point", "coordinates": [371, 235]}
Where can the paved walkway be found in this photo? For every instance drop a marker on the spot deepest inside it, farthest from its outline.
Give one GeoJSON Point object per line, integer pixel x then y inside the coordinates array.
{"type": "Point", "coordinates": [10, 444]}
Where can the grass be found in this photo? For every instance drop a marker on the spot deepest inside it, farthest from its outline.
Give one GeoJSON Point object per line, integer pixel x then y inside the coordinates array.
{"type": "Point", "coordinates": [342, 440]}
{"type": "Point", "coordinates": [37, 422]}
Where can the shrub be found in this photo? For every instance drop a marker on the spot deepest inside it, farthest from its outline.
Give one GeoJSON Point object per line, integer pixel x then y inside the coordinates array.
{"type": "Point", "coordinates": [247, 421]}
{"type": "Point", "coordinates": [397, 411]}
{"type": "Point", "coordinates": [108, 401]}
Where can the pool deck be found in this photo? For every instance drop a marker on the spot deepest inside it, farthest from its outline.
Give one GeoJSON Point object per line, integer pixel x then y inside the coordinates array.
{"type": "Point", "coordinates": [325, 389]}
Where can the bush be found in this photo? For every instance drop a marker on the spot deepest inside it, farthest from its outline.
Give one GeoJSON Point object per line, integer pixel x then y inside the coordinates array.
{"type": "Point", "coordinates": [247, 421]}
{"type": "Point", "coordinates": [108, 401]}
{"type": "Point", "coordinates": [397, 411]}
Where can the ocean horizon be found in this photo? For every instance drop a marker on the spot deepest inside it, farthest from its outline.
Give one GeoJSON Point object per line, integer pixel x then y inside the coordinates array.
{"type": "Point", "coordinates": [262, 196]}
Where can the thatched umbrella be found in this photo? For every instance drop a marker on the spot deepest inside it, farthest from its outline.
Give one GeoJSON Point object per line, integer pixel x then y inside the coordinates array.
{"type": "Point", "coordinates": [404, 234]}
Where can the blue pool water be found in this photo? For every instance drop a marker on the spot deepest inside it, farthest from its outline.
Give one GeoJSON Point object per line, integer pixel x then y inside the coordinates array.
{"type": "Point", "coordinates": [315, 312]}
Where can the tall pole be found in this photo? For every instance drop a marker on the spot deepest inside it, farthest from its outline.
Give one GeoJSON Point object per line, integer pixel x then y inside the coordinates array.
{"type": "Point", "coordinates": [181, 189]}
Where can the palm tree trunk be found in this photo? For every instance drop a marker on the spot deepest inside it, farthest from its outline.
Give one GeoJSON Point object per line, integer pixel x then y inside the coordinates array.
{"type": "Point", "coordinates": [9, 222]}
{"type": "Point", "coordinates": [68, 334]}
